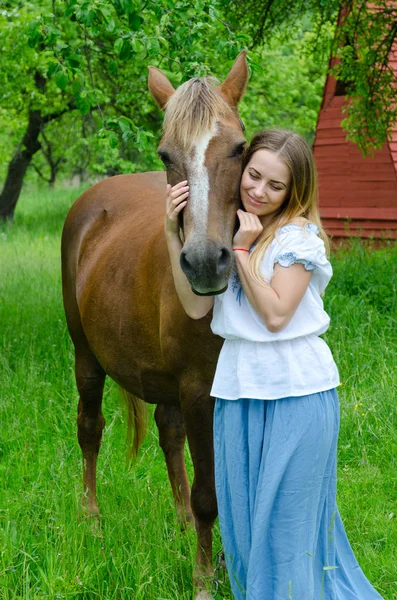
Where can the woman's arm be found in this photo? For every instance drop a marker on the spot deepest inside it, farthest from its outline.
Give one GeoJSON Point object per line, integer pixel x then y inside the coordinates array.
{"type": "Point", "coordinates": [195, 306]}
{"type": "Point", "coordinates": [275, 303]}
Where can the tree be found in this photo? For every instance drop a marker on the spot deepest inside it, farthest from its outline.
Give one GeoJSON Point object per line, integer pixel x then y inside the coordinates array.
{"type": "Point", "coordinates": [92, 55]}
{"type": "Point", "coordinates": [287, 91]}
{"type": "Point", "coordinates": [26, 92]}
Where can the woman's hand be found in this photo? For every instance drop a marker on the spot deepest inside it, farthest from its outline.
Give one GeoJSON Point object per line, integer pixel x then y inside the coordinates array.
{"type": "Point", "coordinates": [195, 306]}
{"type": "Point", "coordinates": [250, 228]}
{"type": "Point", "coordinates": [176, 201]}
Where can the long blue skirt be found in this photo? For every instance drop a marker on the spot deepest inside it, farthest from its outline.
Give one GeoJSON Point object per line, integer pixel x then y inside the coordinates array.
{"type": "Point", "coordinates": [275, 470]}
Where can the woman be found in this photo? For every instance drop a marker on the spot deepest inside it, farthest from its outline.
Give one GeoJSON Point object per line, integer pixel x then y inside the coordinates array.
{"type": "Point", "coordinates": [276, 417]}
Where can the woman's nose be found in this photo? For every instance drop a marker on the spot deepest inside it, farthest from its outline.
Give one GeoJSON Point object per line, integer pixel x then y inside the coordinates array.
{"type": "Point", "coordinates": [261, 190]}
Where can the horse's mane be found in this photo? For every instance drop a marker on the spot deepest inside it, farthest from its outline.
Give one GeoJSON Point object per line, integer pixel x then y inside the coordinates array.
{"type": "Point", "coordinates": [192, 110]}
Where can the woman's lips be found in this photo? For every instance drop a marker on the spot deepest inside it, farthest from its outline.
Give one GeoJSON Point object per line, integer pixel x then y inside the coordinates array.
{"type": "Point", "coordinates": [255, 202]}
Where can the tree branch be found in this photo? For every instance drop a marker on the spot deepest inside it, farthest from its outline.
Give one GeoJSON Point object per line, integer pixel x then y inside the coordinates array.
{"type": "Point", "coordinates": [40, 174]}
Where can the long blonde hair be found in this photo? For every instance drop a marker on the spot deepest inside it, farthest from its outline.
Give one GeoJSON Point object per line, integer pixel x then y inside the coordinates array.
{"type": "Point", "coordinates": [301, 201]}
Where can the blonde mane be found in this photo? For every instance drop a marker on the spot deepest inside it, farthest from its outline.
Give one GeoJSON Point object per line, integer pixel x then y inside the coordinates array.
{"type": "Point", "coordinates": [192, 110]}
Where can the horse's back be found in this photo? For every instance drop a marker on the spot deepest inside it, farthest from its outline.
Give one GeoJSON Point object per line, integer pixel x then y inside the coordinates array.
{"type": "Point", "coordinates": [122, 196]}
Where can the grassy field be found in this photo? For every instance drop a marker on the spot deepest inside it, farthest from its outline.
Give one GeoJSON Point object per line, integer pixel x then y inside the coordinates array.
{"type": "Point", "coordinates": [48, 549]}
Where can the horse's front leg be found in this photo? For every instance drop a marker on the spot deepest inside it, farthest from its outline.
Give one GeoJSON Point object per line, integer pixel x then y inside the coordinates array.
{"type": "Point", "coordinates": [172, 436]}
{"type": "Point", "coordinates": [197, 410]}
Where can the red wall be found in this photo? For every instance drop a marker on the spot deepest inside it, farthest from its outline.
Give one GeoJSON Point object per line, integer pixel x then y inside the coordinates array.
{"type": "Point", "coordinates": [358, 196]}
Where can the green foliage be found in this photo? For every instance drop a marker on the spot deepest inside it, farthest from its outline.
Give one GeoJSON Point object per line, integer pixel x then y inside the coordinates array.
{"type": "Point", "coordinates": [98, 51]}
{"type": "Point", "coordinates": [94, 57]}
{"type": "Point", "coordinates": [23, 85]}
{"type": "Point", "coordinates": [286, 87]}
{"type": "Point", "coordinates": [364, 39]}
{"type": "Point", "coordinates": [264, 18]}
{"type": "Point", "coordinates": [90, 57]}
{"type": "Point", "coordinates": [363, 45]}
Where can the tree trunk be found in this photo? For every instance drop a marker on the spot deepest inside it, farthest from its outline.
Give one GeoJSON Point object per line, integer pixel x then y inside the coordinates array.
{"type": "Point", "coordinates": [18, 165]}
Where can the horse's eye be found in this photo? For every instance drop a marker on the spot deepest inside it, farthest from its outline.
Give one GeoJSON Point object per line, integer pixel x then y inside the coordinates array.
{"type": "Point", "coordinates": [239, 149]}
{"type": "Point", "coordinates": [165, 157]}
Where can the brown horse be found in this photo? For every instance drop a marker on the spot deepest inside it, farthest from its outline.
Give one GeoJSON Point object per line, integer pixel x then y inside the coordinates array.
{"type": "Point", "coordinates": [122, 311]}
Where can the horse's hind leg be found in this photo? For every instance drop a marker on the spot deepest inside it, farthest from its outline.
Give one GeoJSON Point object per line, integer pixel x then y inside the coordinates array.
{"type": "Point", "coordinates": [172, 436]}
{"type": "Point", "coordinates": [90, 378]}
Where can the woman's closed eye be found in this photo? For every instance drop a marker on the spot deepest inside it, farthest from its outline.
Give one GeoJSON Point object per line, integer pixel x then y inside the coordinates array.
{"type": "Point", "coordinates": [274, 187]}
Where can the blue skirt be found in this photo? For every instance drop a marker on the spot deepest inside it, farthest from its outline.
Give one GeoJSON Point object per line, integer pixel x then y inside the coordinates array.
{"type": "Point", "coordinates": [275, 470]}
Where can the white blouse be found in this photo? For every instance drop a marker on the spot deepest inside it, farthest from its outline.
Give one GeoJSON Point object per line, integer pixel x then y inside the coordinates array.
{"type": "Point", "coordinates": [256, 363]}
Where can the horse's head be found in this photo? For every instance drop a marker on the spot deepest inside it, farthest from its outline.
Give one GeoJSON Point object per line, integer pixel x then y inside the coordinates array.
{"type": "Point", "coordinates": [203, 142]}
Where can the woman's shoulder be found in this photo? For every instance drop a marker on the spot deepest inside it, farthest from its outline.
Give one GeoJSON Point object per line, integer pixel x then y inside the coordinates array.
{"type": "Point", "coordinates": [299, 241]}
{"type": "Point", "coordinates": [299, 226]}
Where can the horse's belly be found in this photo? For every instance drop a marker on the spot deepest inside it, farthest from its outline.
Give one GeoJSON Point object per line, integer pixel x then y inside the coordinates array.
{"type": "Point", "coordinates": [123, 330]}
{"type": "Point", "coordinates": [155, 387]}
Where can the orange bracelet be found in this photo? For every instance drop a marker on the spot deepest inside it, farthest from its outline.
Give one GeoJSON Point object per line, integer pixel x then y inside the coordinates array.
{"type": "Point", "coordinates": [243, 249]}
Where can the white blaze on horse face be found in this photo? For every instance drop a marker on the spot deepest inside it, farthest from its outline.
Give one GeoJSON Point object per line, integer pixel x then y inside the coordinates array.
{"type": "Point", "coordinates": [198, 182]}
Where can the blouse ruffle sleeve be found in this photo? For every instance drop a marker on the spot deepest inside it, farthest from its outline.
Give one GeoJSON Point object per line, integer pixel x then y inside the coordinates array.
{"type": "Point", "coordinates": [297, 244]}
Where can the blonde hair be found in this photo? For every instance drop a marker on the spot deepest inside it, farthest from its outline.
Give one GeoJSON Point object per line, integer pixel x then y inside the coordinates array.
{"type": "Point", "coordinates": [301, 201]}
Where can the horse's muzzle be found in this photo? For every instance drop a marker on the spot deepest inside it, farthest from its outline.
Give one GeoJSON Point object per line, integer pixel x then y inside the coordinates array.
{"type": "Point", "coordinates": [207, 266]}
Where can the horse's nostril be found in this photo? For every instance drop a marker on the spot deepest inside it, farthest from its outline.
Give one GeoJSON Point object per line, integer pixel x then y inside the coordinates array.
{"type": "Point", "coordinates": [223, 260]}
{"type": "Point", "coordinates": [185, 265]}
{"type": "Point", "coordinates": [205, 265]}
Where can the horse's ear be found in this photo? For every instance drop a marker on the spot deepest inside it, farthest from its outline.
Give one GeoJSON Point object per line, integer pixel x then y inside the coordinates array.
{"type": "Point", "coordinates": [160, 87]}
{"type": "Point", "coordinates": [233, 87]}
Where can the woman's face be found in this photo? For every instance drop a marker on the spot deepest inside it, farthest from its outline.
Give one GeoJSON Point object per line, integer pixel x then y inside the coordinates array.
{"type": "Point", "coordinates": [264, 184]}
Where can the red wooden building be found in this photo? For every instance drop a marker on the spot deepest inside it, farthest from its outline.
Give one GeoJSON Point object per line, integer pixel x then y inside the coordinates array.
{"type": "Point", "coordinates": [358, 196]}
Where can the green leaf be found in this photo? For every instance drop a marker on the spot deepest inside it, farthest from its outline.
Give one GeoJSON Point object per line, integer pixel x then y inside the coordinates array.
{"type": "Point", "coordinates": [153, 47]}
{"type": "Point", "coordinates": [111, 26]}
{"type": "Point", "coordinates": [126, 50]}
{"type": "Point", "coordinates": [142, 141]}
{"type": "Point", "coordinates": [127, 136]}
{"type": "Point", "coordinates": [112, 123]}
{"type": "Point", "coordinates": [113, 140]}
{"type": "Point", "coordinates": [76, 86]}
{"type": "Point", "coordinates": [136, 45]}
{"type": "Point", "coordinates": [70, 9]}
{"type": "Point", "coordinates": [83, 104]}
{"type": "Point", "coordinates": [74, 60]}
{"type": "Point", "coordinates": [53, 69]}
{"type": "Point", "coordinates": [125, 124]}
{"type": "Point", "coordinates": [88, 17]}
{"type": "Point", "coordinates": [135, 21]}
{"type": "Point", "coordinates": [118, 45]}
{"type": "Point", "coordinates": [62, 80]}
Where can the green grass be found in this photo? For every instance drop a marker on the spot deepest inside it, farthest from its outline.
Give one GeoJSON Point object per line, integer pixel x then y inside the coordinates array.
{"type": "Point", "coordinates": [48, 549]}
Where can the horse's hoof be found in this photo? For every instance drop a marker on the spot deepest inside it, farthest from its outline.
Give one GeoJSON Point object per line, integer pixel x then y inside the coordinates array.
{"type": "Point", "coordinates": [186, 522]}
{"type": "Point", "coordinates": [87, 513]}
{"type": "Point", "coordinates": [96, 529]}
{"type": "Point", "coordinates": [203, 595]}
